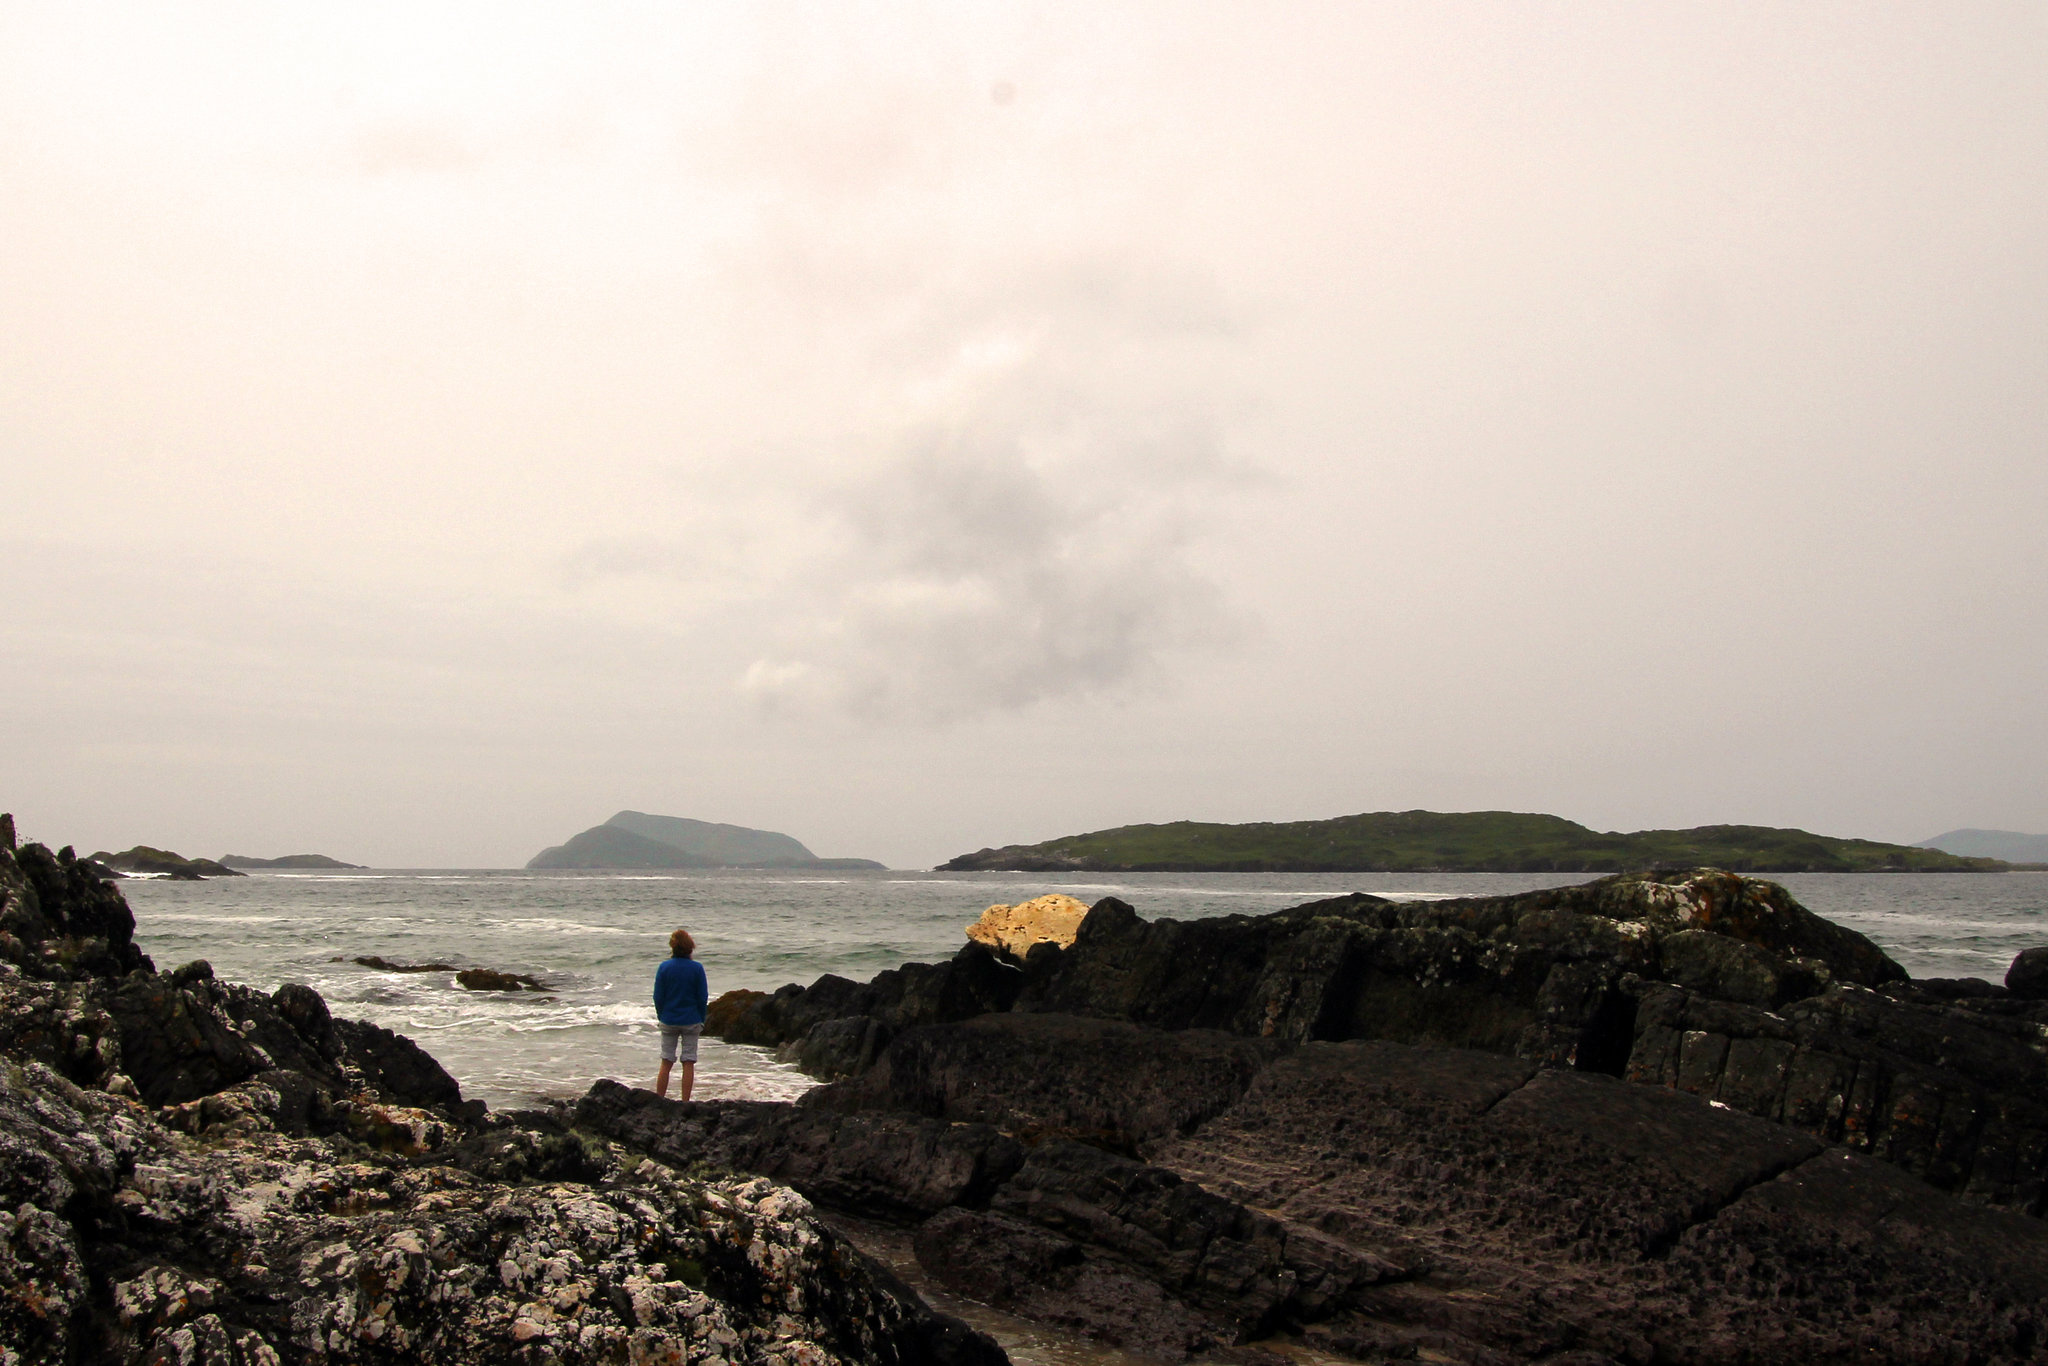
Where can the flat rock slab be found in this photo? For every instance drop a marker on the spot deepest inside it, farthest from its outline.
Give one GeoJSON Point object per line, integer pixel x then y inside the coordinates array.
{"type": "Point", "coordinates": [1376, 1201]}
{"type": "Point", "coordinates": [1555, 1211]}
{"type": "Point", "coordinates": [1044, 1077]}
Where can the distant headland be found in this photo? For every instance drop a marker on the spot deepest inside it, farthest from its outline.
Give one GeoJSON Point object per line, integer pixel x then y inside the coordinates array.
{"type": "Point", "coordinates": [2010, 845]}
{"type": "Point", "coordinates": [634, 839]}
{"type": "Point", "coordinates": [1455, 842]}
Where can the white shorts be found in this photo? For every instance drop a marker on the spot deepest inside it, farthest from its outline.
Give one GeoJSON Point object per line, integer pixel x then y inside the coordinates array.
{"type": "Point", "coordinates": [679, 1042]}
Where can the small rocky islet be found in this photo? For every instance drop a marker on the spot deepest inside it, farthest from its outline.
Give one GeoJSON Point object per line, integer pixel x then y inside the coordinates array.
{"type": "Point", "coordinates": [1654, 1118]}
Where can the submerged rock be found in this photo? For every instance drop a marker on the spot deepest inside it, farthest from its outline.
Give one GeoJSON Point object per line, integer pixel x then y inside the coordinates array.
{"type": "Point", "coordinates": [490, 979]}
{"type": "Point", "coordinates": [371, 960]}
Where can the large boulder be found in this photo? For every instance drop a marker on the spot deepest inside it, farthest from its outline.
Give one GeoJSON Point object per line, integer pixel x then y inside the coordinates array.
{"type": "Point", "coordinates": [59, 921]}
{"type": "Point", "coordinates": [1050, 919]}
{"type": "Point", "coordinates": [2027, 978]}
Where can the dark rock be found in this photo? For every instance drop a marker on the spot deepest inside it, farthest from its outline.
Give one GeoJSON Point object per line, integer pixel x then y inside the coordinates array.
{"type": "Point", "coordinates": [490, 979]}
{"type": "Point", "coordinates": [394, 1065]}
{"type": "Point", "coordinates": [1057, 1076]}
{"type": "Point", "coordinates": [975, 981]}
{"type": "Point", "coordinates": [59, 922]}
{"type": "Point", "coordinates": [1015, 1266]}
{"type": "Point", "coordinates": [723, 1015]}
{"type": "Point", "coordinates": [1954, 1095]}
{"type": "Point", "coordinates": [2027, 978]}
{"type": "Point", "coordinates": [176, 1042]}
{"type": "Point", "coordinates": [887, 1166]}
{"type": "Point", "coordinates": [1384, 1200]}
{"type": "Point", "coordinates": [315, 1189]}
{"type": "Point", "coordinates": [1647, 1203]}
{"type": "Point", "coordinates": [1702, 981]}
{"type": "Point", "coordinates": [837, 1048]}
{"type": "Point", "coordinates": [385, 965]}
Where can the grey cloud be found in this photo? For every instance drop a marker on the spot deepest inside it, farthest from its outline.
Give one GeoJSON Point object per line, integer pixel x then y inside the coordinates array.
{"type": "Point", "coordinates": [968, 580]}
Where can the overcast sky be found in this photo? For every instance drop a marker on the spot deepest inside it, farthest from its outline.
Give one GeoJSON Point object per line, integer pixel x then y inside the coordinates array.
{"type": "Point", "coordinates": [430, 428]}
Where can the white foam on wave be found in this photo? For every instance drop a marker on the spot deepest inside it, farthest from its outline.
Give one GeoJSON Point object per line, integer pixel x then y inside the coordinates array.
{"type": "Point", "coordinates": [195, 918]}
{"type": "Point", "coordinates": [542, 924]}
{"type": "Point", "coordinates": [1937, 925]}
{"type": "Point", "coordinates": [330, 877]}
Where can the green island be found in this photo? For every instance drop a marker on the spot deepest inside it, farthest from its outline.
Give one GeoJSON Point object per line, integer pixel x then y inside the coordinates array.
{"type": "Point", "coordinates": [1455, 842]}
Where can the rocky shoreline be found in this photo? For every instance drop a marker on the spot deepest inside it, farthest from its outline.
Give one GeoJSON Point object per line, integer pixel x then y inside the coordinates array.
{"type": "Point", "coordinates": [1660, 1118]}
{"type": "Point", "coordinates": [1673, 1117]}
{"type": "Point", "coordinates": [198, 1173]}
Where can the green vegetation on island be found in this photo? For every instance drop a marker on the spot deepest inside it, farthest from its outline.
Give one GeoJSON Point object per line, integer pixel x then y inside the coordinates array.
{"type": "Point", "coordinates": [288, 861]}
{"type": "Point", "coordinates": [634, 839]}
{"type": "Point", "coordinates": [145, 861]}
{"type": "Point", "coordinates": [1455, 842]}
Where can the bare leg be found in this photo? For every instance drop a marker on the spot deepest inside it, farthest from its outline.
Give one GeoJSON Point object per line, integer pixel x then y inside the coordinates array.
{"type": "Point", "coordinates": [689, 1080]}
{"type": "Point", "coordinates": [661, 1082]}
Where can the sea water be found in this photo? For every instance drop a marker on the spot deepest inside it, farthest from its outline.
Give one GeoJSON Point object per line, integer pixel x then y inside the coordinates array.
{"type": "Point", "coordinates": [596, 938]}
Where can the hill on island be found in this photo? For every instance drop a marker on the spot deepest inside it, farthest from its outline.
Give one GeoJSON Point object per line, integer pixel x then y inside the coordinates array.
{"type": "Point", "coordinates": [634, 839]}
{"type": "Point", "coordinates": [2010, 845]}
{"type": "Point", "coordinates": [1454, 842]}
{"type": "Point", "coordinates": [288, 861]}
{"type": "Point", "coordinates": [147, 861]}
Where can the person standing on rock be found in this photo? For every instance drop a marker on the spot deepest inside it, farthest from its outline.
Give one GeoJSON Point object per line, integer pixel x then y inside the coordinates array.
{"type": "Point", "coordinates": [680, 994]}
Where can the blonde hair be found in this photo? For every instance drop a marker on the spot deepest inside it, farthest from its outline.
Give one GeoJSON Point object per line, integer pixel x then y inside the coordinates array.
{"type": "Point", "coordinates": [680, 942]}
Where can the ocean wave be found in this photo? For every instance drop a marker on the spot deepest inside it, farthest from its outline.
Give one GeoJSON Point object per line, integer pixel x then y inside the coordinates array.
{"type": "Point", "coordinates": [542, 924]}
{"type": "Point", "coordinates": [196, 918]}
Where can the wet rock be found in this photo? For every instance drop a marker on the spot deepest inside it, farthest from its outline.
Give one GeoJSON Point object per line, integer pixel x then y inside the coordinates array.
{"type": "Point", "coordinates": [724, 1015]}
{"type": "Point", "coordinates": [887, 1166]}
{"type": "Point", "coordinates": [490, 979]}
{"type": "Point", "coordinates": [385, 965]}
{"type": "Point", "coordinates": [2027, 978]}
{"type": "Point", "coordinates": [975, 981]}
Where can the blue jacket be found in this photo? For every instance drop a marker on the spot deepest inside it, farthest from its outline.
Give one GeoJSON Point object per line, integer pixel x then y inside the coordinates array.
{"type": "Point", "coordinates": [680, 991]}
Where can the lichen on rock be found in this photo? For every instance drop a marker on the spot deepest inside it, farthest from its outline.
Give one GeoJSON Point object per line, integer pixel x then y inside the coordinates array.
{"type": "Point", "coordinates": [195, 1172]}
{"type": "Point", "coordinates": [1055, 918]}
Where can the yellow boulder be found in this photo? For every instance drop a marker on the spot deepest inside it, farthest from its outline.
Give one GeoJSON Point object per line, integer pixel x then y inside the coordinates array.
{"type": "Point", "coordinates": [1014, 929]}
